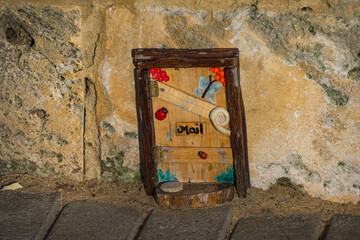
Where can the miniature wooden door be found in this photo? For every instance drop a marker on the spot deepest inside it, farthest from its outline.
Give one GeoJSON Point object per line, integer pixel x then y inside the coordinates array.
{"type": "Point", "coordinates": [191, 117]}
{"type": "Point", "coordinates": [188, 146]}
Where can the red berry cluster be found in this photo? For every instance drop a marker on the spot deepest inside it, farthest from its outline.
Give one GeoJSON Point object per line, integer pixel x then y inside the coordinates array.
{"type": "Point", "coordinates": [159, 75]}
{"type": "Point", "coordinates": [219, 75]}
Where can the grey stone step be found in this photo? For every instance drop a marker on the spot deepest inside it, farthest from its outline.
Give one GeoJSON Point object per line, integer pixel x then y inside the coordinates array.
{"type": "Point", "coordinates": [344, 227]}
{"type": "Point", "coordinates": [25, 215]}
{"type": "Point", "coordinates": [95, 220]}
{"type": "Point", "coordinates": [292, 227]}
{"type": "Point", "coordinates": [205, 223]}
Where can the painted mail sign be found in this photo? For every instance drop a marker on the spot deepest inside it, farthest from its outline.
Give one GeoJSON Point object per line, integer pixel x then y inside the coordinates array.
{"type": "Point", "coordinates": [190, 128]}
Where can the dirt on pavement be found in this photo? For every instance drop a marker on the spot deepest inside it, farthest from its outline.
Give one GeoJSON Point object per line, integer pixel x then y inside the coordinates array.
{"type": "Point", "coordinates": [279, 201]}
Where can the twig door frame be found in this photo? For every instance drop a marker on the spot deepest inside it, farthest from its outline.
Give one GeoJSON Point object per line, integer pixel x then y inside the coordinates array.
{"type": "Point", "coordinates": [228, 58]}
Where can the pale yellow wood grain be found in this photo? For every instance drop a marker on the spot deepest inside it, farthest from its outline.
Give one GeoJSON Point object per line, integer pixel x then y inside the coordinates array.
{"type": "Point", "coordinates": [190, 155]}
{"type": "Point", "coordinates": [184, 100]}
{"type": "Point", "coordinates": [197, 172]}
{"type": "Point", "coordinates": [182, 171]}
{"type": "Point", "coordinates": [180, 152]}
{"type": "Point", "coordinates": [211, 171]}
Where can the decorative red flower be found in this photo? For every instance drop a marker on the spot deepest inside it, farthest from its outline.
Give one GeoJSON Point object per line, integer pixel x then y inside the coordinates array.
{"type": "Point", "coordinates": [155, 75]}
{"type": "Point", "coordinates": [159, 75]}
{"type": "Point", "coordinates": [219, 75]}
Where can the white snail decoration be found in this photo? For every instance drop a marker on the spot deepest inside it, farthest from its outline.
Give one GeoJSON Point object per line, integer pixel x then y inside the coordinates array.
{"type": "Point", "coordinates": [220, 117]}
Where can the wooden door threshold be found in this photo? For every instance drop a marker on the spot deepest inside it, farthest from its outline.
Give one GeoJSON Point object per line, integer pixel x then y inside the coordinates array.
{"type": "Point", "coordinates": [196, 195]}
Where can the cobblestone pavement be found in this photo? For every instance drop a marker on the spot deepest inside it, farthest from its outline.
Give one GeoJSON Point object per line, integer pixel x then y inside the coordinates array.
{"type": "Point", "coordinates": [39, 216]}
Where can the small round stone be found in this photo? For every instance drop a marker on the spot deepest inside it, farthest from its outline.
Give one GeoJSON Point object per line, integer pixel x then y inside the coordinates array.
{"type": "Point", "coordinates": [172, 187]}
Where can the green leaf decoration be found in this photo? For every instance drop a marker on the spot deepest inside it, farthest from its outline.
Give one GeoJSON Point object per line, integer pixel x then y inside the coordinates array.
{"type": "Point", "coordinates": [167, 177]}
{"type": "Point", "coordinates": [226, 177]}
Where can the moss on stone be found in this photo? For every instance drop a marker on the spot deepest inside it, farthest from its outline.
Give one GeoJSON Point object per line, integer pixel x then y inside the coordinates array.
{"type": "Point", "coordinates": [318, 47]}
{"type": "Point", "coordinates": [62, 142]}
{"type": "Point", "coordinates": [354, 74]}
{"type": "Point", "coordinates": [336, 97]}
{"type": "Point", "coordinates": [317, 50]}
{"type": "Point", "coordinates": [109, 128]}
{"type": "Point", "coordinates": [162, 46]}
{"type": "Point", "coordinates": [289, 62]}
{"type": "Point", "coordinates": [308, 9]}
{"type": "Point", "coordinates": [131, 135]}
{"type": "Point", "coordinates": [253, 12]}
{"type": "Point", "coordinates": [113, 170]}
{"type": "Point", "coordinates": [320, 65]}
{"type": "Point", "coordinates": [341, 164]}
{"type": "Point", "coordinates": [137, 175]}
{"type": "Point", "coordinates": [286, 169]}
{"type": "Point", "coordinates": [112, 150]}
{"type": "Point", "coordinates": [312, 30]}
{"type": "Point", "coordinates": [18, 102]}
{"type": "Point", "coordinates": [17, 166]}
{"type": "Point", "coordinates": [308, 76]}
{"type": "Point", "coordinates": [59, 157]}
{"type": "Point", "coordinates": [47, 168]}
{"type": "Point", "coordinates": [286, 182]}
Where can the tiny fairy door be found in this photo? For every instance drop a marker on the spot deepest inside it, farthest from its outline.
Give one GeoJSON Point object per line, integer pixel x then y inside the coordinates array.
{"type": "Point", "coordinates": [191, 117]}
{"type": "Point", "coordinates": [188, 146]}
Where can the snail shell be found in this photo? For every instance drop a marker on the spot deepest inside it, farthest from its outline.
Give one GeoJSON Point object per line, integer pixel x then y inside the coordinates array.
{"type": "Point", "coordinates": [220, 117]}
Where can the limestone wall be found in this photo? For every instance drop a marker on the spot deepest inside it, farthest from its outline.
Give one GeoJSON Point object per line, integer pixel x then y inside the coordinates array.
{"type": "Point", "coordinates": [68, 98]}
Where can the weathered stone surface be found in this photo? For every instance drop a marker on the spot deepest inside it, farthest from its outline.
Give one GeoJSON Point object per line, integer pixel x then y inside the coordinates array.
{"type": "Point", "coordinates": [344, 227]}
{"type": "Point", "coordinates": [299, 67]}
{"type": "Point", "coordinates": [206, 223]}
{"type": "Point", "coordinates": [300, 99]}
{"type": "Point", "coordinates": [26, 216]}
{"type": "Point", "coordinates": [41, 99]}
{"type": "Point", "coordinates": [94, 220]}
{"type": "Point", "coordinates": [293, 227]}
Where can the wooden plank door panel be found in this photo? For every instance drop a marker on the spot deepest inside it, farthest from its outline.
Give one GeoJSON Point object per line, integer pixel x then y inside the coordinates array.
{"type": "Point", "coordinates": [180, 153]}
{"type": "Point", "coordinates": [177, 154]}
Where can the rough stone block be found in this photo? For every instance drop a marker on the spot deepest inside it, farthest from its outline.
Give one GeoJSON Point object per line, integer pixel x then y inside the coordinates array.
{"type": "Point", "coordinates": [41, 101]}
{"type": "Point", "coordinates": [344, 227]}
{"type": "Point", "coordinates": [26, 216]}
{"type": "Point", "coordinates": [95, 220]}
{"type": "Point", "coordinates": [292, 227]}
{"type": "Point", "coordinates": [209, 223]}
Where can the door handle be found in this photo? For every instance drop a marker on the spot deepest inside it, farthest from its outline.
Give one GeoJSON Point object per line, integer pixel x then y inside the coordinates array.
{"type": "Point", "coordinates": [220, 118]}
